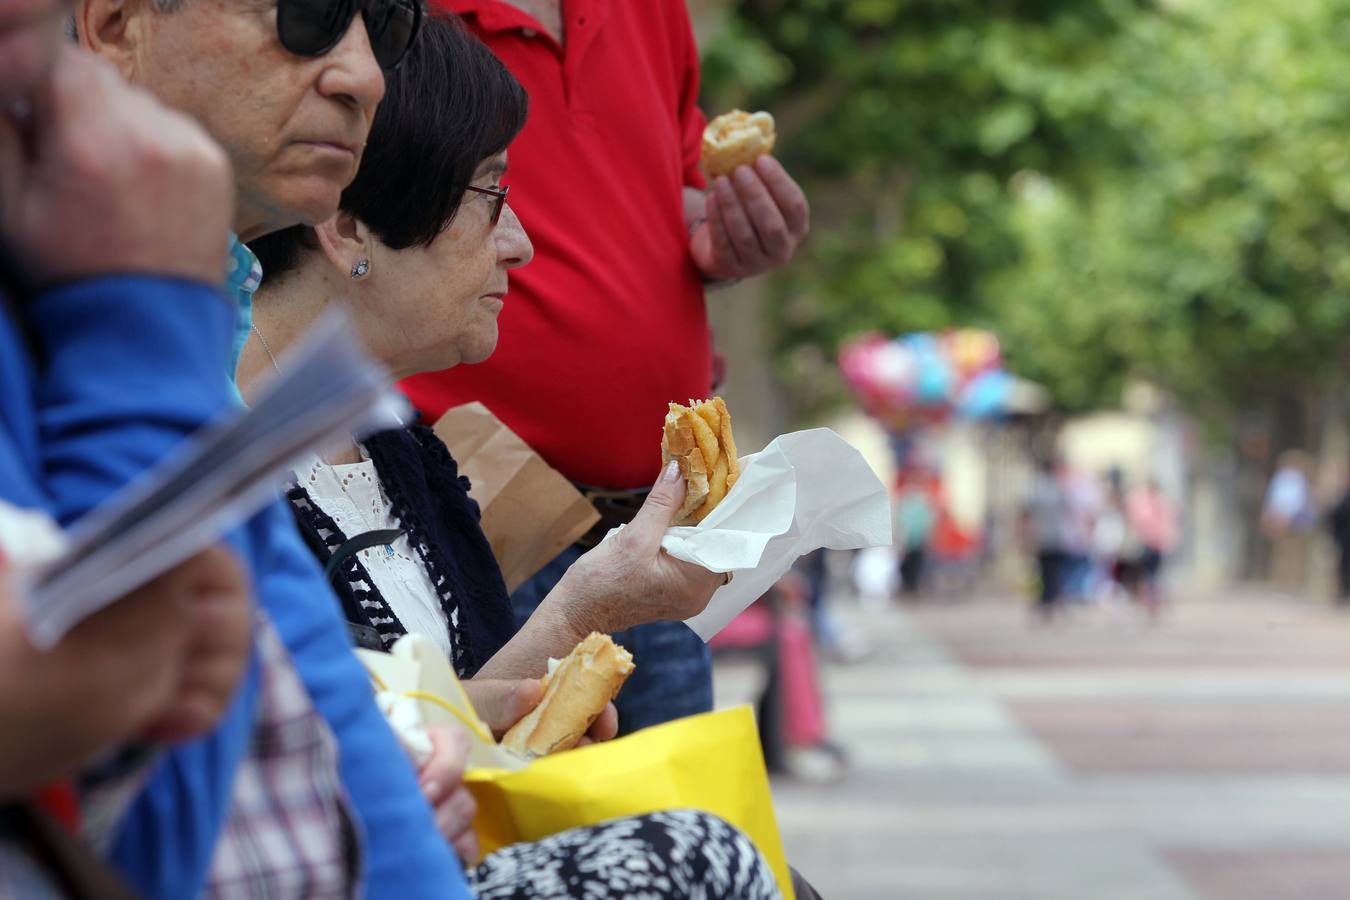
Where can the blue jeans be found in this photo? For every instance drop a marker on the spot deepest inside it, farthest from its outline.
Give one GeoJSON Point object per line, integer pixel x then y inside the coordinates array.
{"type": "Point", "coordinates": [673, 677]}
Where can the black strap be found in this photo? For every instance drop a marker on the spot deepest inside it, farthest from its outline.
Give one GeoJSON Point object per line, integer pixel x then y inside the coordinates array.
{"type": "Point", "coordinates": [363, 541]}
{"type": "Point", "coordinates": [362, 635]}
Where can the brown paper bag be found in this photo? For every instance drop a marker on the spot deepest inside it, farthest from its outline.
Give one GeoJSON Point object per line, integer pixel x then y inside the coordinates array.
{"type": "Point", "coordinates": [530, 511]}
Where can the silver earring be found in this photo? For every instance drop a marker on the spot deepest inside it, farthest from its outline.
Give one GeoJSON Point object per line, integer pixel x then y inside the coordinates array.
{"type": "Point", "coordinates": [361, 268]}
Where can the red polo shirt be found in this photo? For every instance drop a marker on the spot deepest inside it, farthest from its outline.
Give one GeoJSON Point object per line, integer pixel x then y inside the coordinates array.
{"type": "Point", "coordinates": [608, 323]}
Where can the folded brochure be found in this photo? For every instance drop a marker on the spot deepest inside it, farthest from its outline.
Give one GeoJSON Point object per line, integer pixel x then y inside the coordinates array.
{"type": "Point", "coordinates": [329, 389]}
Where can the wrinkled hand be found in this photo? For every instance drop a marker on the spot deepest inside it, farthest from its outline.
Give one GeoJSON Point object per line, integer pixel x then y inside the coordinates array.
{"type": "Point", "coordinates": [629, 580]}
{"type": "Point", "coordinates": [604, 728]}
{"type": "Point", "coordinates": [442, 780]}
{"type": "Point", "coordinates": [502, 703]}
{"type": "Point", "coordinates": [30, 38]}
{"type": "Point", "coordinates": [126, 671]}
{"type": "Point", "coordinates": [101, 178]}
{"type": "Point", "coordinates": [755, 220]}
{"type": "Point", "coordinates": [220, 637]}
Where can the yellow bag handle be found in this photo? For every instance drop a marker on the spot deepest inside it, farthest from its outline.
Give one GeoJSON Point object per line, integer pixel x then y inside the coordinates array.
{"type": "Point", "coordinates": [473, 724]}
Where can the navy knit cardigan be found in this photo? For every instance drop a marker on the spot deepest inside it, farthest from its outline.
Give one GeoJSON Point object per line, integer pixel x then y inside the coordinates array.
{"type": "Point", "coordinates": [431, 502]}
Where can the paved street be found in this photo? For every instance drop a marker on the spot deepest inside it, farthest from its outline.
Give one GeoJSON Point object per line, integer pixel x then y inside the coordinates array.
{"type": "Point", "coordinates": [1207, 758]}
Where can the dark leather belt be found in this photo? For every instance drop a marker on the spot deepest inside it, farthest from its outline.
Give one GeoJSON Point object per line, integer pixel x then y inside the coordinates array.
{"type": "Point", "coordinates": [615, 508]}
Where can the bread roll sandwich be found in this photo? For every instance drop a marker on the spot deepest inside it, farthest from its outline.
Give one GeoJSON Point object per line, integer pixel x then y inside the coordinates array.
{"type": "Point", "coordinates": [736, 139]}
{"type": "Point", "coordinates": [575, 693]}
{"type": "Point", "coordinates": [699, 437]}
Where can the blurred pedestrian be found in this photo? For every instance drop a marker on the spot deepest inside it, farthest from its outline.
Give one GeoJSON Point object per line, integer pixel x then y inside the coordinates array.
{"type": "Point", "coordinates": [1082, 504]}
{"type": "Point", "coordinates": [1152, 519]}
{"type": "Point", "coordinates": [1339, 523]}
{"type": "Point", "coordinates": [915, 517]}
{"type": "Point", "coordinates": [1045, 518]}
{"type": "Point", "coordinates": [1109, 538]}
{"type": "Point", "coordinates": [1287, 515]}
{"type": "Point", "coordinates": [875, 578]}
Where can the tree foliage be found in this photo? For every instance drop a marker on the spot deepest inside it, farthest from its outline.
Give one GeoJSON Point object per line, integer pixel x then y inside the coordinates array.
{"type": "Point", "coordinates": [1117, 187]}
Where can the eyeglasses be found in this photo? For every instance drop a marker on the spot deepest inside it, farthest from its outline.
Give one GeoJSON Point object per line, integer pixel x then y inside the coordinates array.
{"type": "Point", "coordinates": [313, 27]}
{"type": "Point", "coordinates": [499, 200]}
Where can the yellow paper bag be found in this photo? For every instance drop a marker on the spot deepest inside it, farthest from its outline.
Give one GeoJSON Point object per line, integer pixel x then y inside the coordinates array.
{"type": "Point", "coordinates": [710, 762]}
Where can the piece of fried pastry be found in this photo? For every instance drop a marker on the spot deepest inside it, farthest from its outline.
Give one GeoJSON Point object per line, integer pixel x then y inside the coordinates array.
{"type": "Point", "coordinates": [575, 693]}
{"type": "Point", "coordinates": [734, 139]}
{"type": "Point", "coordinates": [699, 437]}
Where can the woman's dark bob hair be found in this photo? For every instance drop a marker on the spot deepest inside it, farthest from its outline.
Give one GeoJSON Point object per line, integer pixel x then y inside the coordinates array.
{"type": "Point", "coordinates": [448, 106]}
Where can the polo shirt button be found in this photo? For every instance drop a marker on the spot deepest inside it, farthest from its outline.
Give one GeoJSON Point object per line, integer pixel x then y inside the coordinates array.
{"type": "Point", "coordinates": [528, 32]}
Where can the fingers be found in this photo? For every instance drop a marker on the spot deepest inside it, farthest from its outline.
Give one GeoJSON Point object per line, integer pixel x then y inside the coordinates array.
{"type": "Point", "coordinates": [724, 254]}
{"type": "Point", "coordinates": [75, 102]}
{"type": "Point", "coordinates": [117, 182]}
{"type": "Point", "coordinates": [757, 217]}
{"type": "Point", "coordinates": [604, 728]}
{"type": "Point", "coordinates": [216, 572]}
{"type": "Point", "coordinates": [657, 513]}
{"type": "Point", "coordinates": [465, 844]}
{"type": "Point", "coordinates": [775, 242]}
{"type": "Point", "coordinates": [691, 586]}
{"type": "Point", "coordinates": [131, 657]}
{"type": "Point", "coordinates": [467, 849]}
{"type": "Point", "coordinates": [444, 771]}
{"type": "Point", "coordinates": [606, 725]}
{"type": "Point", "coordinates": [214, 589]}
{"type": "Point", "coordinates": [503, 703]}
{"type": "Point", "coordinates": [455, 815]}
{"type": "Point", "coordinates": [442, 782]}
{"type": "Point", "coordinates": [788, 196]}
{"type": "Point", "coordinates": [736, 222]}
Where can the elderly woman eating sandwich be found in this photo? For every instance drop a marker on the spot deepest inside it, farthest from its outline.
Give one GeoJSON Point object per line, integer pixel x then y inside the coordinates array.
{"type": "Point", "coordinates": [420, 254]}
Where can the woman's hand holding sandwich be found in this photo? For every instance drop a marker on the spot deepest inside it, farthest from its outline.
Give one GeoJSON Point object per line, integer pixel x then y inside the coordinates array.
{"type": "Point", "coordinates": [503, 703]}
{"type": "Point", "coordinates": [629, 580]}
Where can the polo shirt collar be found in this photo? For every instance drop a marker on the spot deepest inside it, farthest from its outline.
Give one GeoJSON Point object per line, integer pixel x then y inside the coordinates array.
{"type": "Point", "coordinates": [497, 15]}
{"type": "Point", "coordinates": [243, 274]}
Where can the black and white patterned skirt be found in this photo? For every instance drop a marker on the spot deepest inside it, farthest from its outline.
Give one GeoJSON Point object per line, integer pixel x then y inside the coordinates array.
{"type": "Point", "coordinates": [653, 857]}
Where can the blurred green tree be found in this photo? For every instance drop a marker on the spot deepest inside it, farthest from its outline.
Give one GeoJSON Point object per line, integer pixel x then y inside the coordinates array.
{"type": "Point", "coordinates": [1117, 187]}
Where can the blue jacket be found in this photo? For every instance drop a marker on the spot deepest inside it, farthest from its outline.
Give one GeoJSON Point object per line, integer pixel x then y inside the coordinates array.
{"type": "Point", "coordinates": [101, 410]}
{"type": "Point", "coordinates": [108, 409]}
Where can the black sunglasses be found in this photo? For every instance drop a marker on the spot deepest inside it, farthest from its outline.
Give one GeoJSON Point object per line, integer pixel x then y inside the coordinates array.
{"type": "Point", "coordinates": [499, 197]}
{"type": "Point", "coordinates": [313, 27]}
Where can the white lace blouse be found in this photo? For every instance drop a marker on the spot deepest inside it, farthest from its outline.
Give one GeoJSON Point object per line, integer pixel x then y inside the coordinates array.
{"type": "Point", "coordinates": [351, 495]}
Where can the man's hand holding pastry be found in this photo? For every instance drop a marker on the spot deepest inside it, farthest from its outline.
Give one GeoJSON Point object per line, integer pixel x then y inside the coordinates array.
{"type": "Point", "coordinates": [754, 215]}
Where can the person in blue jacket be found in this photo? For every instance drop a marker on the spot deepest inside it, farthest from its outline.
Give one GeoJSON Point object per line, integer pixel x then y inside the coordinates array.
{"type": "Point", "coordinates": [113, 215]}
{"type": "Point", "coordinates": [291, 101]}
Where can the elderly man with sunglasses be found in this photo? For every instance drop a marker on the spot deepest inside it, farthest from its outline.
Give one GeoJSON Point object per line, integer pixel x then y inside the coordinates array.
{"type": "Point", "coordinates": [289, 89]}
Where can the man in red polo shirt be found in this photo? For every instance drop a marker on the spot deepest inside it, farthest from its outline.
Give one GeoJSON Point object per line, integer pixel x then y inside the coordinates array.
{"type": "Point", "coordinates": [609, 323]}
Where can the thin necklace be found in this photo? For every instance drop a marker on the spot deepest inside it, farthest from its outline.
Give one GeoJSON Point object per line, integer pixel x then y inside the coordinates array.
{"type": "Point", "coordinates": [267, 348]}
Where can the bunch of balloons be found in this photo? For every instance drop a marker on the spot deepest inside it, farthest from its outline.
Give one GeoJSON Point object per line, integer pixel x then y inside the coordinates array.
{"type": "Point", "coordinates": [926, 377]}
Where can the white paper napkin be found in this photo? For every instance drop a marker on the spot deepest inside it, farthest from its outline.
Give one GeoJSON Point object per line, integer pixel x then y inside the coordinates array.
{"type": "Point", "coordinates": [805, 490]}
